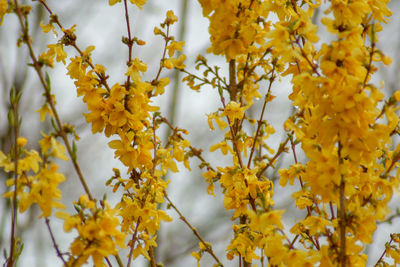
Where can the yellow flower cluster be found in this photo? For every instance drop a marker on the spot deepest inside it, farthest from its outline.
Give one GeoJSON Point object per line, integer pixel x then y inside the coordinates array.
{"type": "Point", "coordinates": [346, 184]}
{"type": "Point", "coordinates": [235, 26]}
{"type": "Point", "coordinates": [238, 30]}
{"type": "Point", "coordinates": [340, 119]}
{"type": "Point", "coordinates": [3, 9]}
{"type": "Point", "coordinates": [125, 111]}
{"type": "Point", "coordinates": [37, 180]}
{"type": "Point", "coordinates": [98, 232]}
{"type": "Point", "coordinates": [347, 181]}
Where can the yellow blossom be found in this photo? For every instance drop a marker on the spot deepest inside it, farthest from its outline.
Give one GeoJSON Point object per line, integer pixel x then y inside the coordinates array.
{"type": "Point", "coordinates": [3, 9]}
{"type": "Point", "coordinates": [135, 68]}
{"type": "Point", "coordinates": [171, 18]}
{"type": "Point", "coordinates": [50, 143]}
{"type": "Point", "coordinates": [138, 3]}
{"type": "Point", "coordinates": [98, 232]}
{"type": "Point", "coordinates": [221, 123]}
{"type": "Point", "coordinates": [223, 146]}
{"type": "Point", "coordinates": [57, 50]}
{"type": "Point", "coordinates": [173, 46]}
{"type": "Point", "coordinates": [21, 141]}
{"type": "Point", "coordinates": [43, 111]}
{"type": "Point", "coordinates": [160, 86]}
{"type": "Point", "coordinates": [177, 62]}
{"type": "Point", "coordinates": [168, 63]}
{"type": "Point", "coordinates": [234, 111]}
{"type": "Point", "coordinates": [47, 28]}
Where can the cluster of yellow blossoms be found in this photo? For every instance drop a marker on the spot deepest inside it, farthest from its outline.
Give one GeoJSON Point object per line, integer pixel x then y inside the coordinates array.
{"type": "Point", "coordinates": [348, 180]}
{"type": "Point", "coordinates": [38, 179]}
{"type": "Point", "coordinates": [98, 232]}
{"type": "Point", "coordinates": [125, 112]}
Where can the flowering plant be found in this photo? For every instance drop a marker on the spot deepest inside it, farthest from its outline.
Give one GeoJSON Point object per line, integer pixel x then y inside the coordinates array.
{"type": "Point", "coordinates": [341, 121]}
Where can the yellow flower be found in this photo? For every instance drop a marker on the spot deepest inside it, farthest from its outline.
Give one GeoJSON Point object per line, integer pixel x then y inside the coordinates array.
{"type": "Point", "coordinates": [98, 232]}
{"type": "Point", "coordinates": [316, 224]}
{"type": "Point", "coordinates": [171, 18]}
{"type": "Point", "coordinates": [221, 123]}
{"type": "Point", "coordinates": [113, 2]}
{"type": "Point", "coordinates": [232, 48]}
{"type": "Point", "coordinates": [138, 3]}
{"type": "Point", "coordinates": [397, 95]}
{"type": "Point", "coordinates": [3, 9]}
{"type": "Point", "coordinates": [160, 86]}
{"type": "Point", "coordinates": [223, 146]}
{"type": "Point", "coordinates": [43, 111]}
{"type": "Point", "coordinates": [197, 256]}
{"type": "Point", "coordinates": [77, 68]}
{"type": "Point", "coordinates": [30, 162]}
{"type": "Point", "coordinates": [58, 51]}
{"type": "Point", "coordinates": [168, 63]}
{"type": "Point", "coordinates": [46, 190]}
{"type": "Point", "coordinates": [266, 220]}
{"type": "Point", "coordinates": [173, 46]}
{"type": "Point", "coordinates": [135, 68]}
{"type": "Point", "coordinates": [47, 28]}
{"type": "Point", "coordinates": [21, 141]}
{"type": "Point", "coordinates": [234, 111]}
{"type": "Point", "coordinates": [57, 149]}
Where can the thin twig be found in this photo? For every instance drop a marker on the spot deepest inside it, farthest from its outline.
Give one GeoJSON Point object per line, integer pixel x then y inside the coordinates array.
{"type": "Point", "coordinates": [15, 125]}
{"type": "Point", "coordinates": [196, 152]}
{"type": "Point", "coordinates": [133, 240]}
{"type": "Point", "coordinates": [281, 149]}
{"type": "Point", "coordinates": [342, 214]}
{"type": "Point", "coordinates": [384, 252]}
{"type": "Point", "coordinates": [50, 101]}
{"type": "Point", "coordinates": [195, 232]}
{"type": "Point", "coordinates": [102, 77]}
{"type": "Point", "coordinates": [59, 254]}
{"type": "Point", "coordinates": [130, 41]}
{"type": "Point", "coordinates": [163, 55]}
{"type": "Point", "coordinates": [259, 123]}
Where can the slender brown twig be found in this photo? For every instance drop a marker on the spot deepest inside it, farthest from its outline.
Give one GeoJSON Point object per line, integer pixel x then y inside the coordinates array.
{"type": "Point", "coordinates": [384, 252]}
{"type": "Point", "coordinates": [102, 77]}
{"type": "Point", "coordinates": [259, 123]}
{"type": "Point", "coordinates": [195, 232]}
{"type": "Point", "coordinates": [342, 214]}
{"type": "Point", "coordinates": [132, 245]}
{"type": "Point", "coordinates": [15, 125]}
{"type": "Point", "coordinates": [49, 99]}
{"type": "Point", "coordinates": [53, 240]}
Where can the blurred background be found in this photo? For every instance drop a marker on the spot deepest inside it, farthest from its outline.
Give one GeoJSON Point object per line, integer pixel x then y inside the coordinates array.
{"type": "Point", "coordinates": [103, 26]}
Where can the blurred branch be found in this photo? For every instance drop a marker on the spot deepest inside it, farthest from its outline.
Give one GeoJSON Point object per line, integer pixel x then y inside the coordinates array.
{"type": "Point", "coordinates": [173, 102]}
{"type": "Point", "coordinates": [208, 248]}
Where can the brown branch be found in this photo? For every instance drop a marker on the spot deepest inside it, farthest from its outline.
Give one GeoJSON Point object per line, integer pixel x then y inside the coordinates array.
{"type": "Point", "coordinates": [384, 252]}
{"type": "Point", "coordinates": [49, 99]}
{"type": "Point", "coordinates": [196, 152]}
{"type": "Point", "coordinates": [14, 98]}
{"type": "Point", "coordinates": [53, 240]}
{"type": "Point", "coordinates": [133, 240]}
{"type": "Point", "coordinates": [281, 149]}
{"type": "Point", "coordinates": [342, 215]}
{"type": "Point", "coordinates": [167, 39]}
{"type": "Point", "coordinates": [259, 123]}
{"type": "Point", "coordinates": [195, 232]}
{"type": "Point", "coordinates": [153, 262]}
{"type": "Point", "coordinates": [102, 77]}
